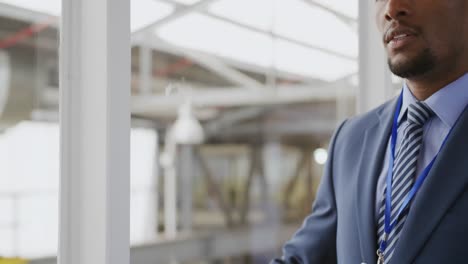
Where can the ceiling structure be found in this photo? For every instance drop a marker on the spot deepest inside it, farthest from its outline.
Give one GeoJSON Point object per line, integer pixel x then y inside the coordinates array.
{"type": "Point", "coordinates": [313, 39]}
{"type": "Point", "coordinates": [232, 53]}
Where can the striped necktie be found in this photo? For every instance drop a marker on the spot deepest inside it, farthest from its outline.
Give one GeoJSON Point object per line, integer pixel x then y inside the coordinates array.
{"type": "Point", "coordinates": [404, 170]}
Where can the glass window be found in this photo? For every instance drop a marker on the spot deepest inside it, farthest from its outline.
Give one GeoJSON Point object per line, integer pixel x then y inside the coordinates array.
{"type": "Point", "coordinates": [243, 96]}
{"type": "Point", "coordinates": [233, 104]}
{"type": "Point", "coordinates": [29, 133]}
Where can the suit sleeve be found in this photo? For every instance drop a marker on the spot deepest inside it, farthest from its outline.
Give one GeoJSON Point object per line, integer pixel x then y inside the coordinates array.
{"type": "Point", "coordinates": [315, 241]}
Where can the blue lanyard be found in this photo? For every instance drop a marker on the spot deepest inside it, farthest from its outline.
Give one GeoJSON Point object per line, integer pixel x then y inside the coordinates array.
{"type": "Point", "coordinates": [389, 226]}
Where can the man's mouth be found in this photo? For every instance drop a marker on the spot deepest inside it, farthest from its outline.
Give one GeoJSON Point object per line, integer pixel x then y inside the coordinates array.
{"type": "Point", "coordinates": [399, 37]}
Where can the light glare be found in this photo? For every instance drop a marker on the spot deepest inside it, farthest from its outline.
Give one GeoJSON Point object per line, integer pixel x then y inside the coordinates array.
{"type": "Point", "coordinates": [320, 156]}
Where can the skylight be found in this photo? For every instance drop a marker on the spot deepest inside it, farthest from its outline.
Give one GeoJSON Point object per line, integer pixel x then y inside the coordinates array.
{"type": "Point", "coordinates": [210, 35]}
{"type": "Point", "coordinates": [347, 7]}
{"type": "Point", "coordinates": [254, 13]}
{"type": "Point", "coordinates": [294, 19]}
{"type": "Point", "coordinates": [146, 12]}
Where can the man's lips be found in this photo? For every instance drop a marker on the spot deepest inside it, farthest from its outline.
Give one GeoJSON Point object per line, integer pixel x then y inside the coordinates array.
{"type": "Point", "coordinates": [400, 41]}
{"type": "Point", "coordinates": [398, 37]}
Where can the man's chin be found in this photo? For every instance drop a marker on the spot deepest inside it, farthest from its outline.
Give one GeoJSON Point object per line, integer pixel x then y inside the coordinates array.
{"type": "Point", "coordinates": [407, 67]}
{"type": "Point", "coordinates": [401, 61]}
{"type": "Point", "coordinates": [400, 68]}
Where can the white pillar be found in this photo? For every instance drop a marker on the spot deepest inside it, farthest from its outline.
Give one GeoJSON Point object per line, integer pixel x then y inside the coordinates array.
{"type": "Point", "coordinates": [95, 132]}
{"type": "Point", "coordinates": [146, 68]}
{"type": "Point", "coordinates": [273, 165]}
{"type": "Point", "coordinates": [154, 219]}
{"type": "Point", "coordinates": [170, 202]}
{"type": "Point", "coordinates": [4, 79]}
{"type": "Point", "coordinates": [170, 186]}
{"type": "Point", "coordinates": [375, 84]}
{"type": "Point", "coordinates": [186, 174]}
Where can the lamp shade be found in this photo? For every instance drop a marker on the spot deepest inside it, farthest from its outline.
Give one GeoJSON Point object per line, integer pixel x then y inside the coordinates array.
{"type": "Point", "coordinates": [187, 130]}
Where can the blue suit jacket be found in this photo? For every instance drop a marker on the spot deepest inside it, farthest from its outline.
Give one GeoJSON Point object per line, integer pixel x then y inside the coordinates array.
{"type": "Point", "coordinates": [342, 229]}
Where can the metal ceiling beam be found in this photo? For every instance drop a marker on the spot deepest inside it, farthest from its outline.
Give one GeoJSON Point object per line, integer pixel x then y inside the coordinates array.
{"type": "Point", "coordinates": [216, 97]}
{"type": "Point", "coordinates": [159, 44]}
{"type": "Point", "coordinates": [232, 117]}
{"type": "Point", "coordinates": [208, 61]}
{"type": "Point", "coordinates": [235, 97]}
{"type": "Point", "coordinates": [180, 11]}
{"type": "Point", "coordinates": [282, 128]}
{"type": "Point", "coordinates": [216, 65]}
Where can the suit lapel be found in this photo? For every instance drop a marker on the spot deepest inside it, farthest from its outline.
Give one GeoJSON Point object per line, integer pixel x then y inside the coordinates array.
{"type": "Point", "coordinates": [447, 179]}
{"type": "Point", "coordinates": [375, 143]}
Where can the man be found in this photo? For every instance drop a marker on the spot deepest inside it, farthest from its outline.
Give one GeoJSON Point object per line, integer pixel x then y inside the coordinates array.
{"type": "Point", "coordinates": [395, 188]}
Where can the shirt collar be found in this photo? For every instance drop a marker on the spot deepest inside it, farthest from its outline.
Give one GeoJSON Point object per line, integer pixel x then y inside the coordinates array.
{"type": "Point", "coordinates": [408, 99]}
{"type": "Point", "coordinates": [447, 103]}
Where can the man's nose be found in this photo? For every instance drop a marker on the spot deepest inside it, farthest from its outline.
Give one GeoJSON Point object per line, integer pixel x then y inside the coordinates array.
{"type": "Point", "coordinates": [396, 9]}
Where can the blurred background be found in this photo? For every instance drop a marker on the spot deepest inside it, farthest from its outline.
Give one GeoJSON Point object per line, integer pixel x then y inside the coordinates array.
{"type": "Point", "coordinates": [233, 104]}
